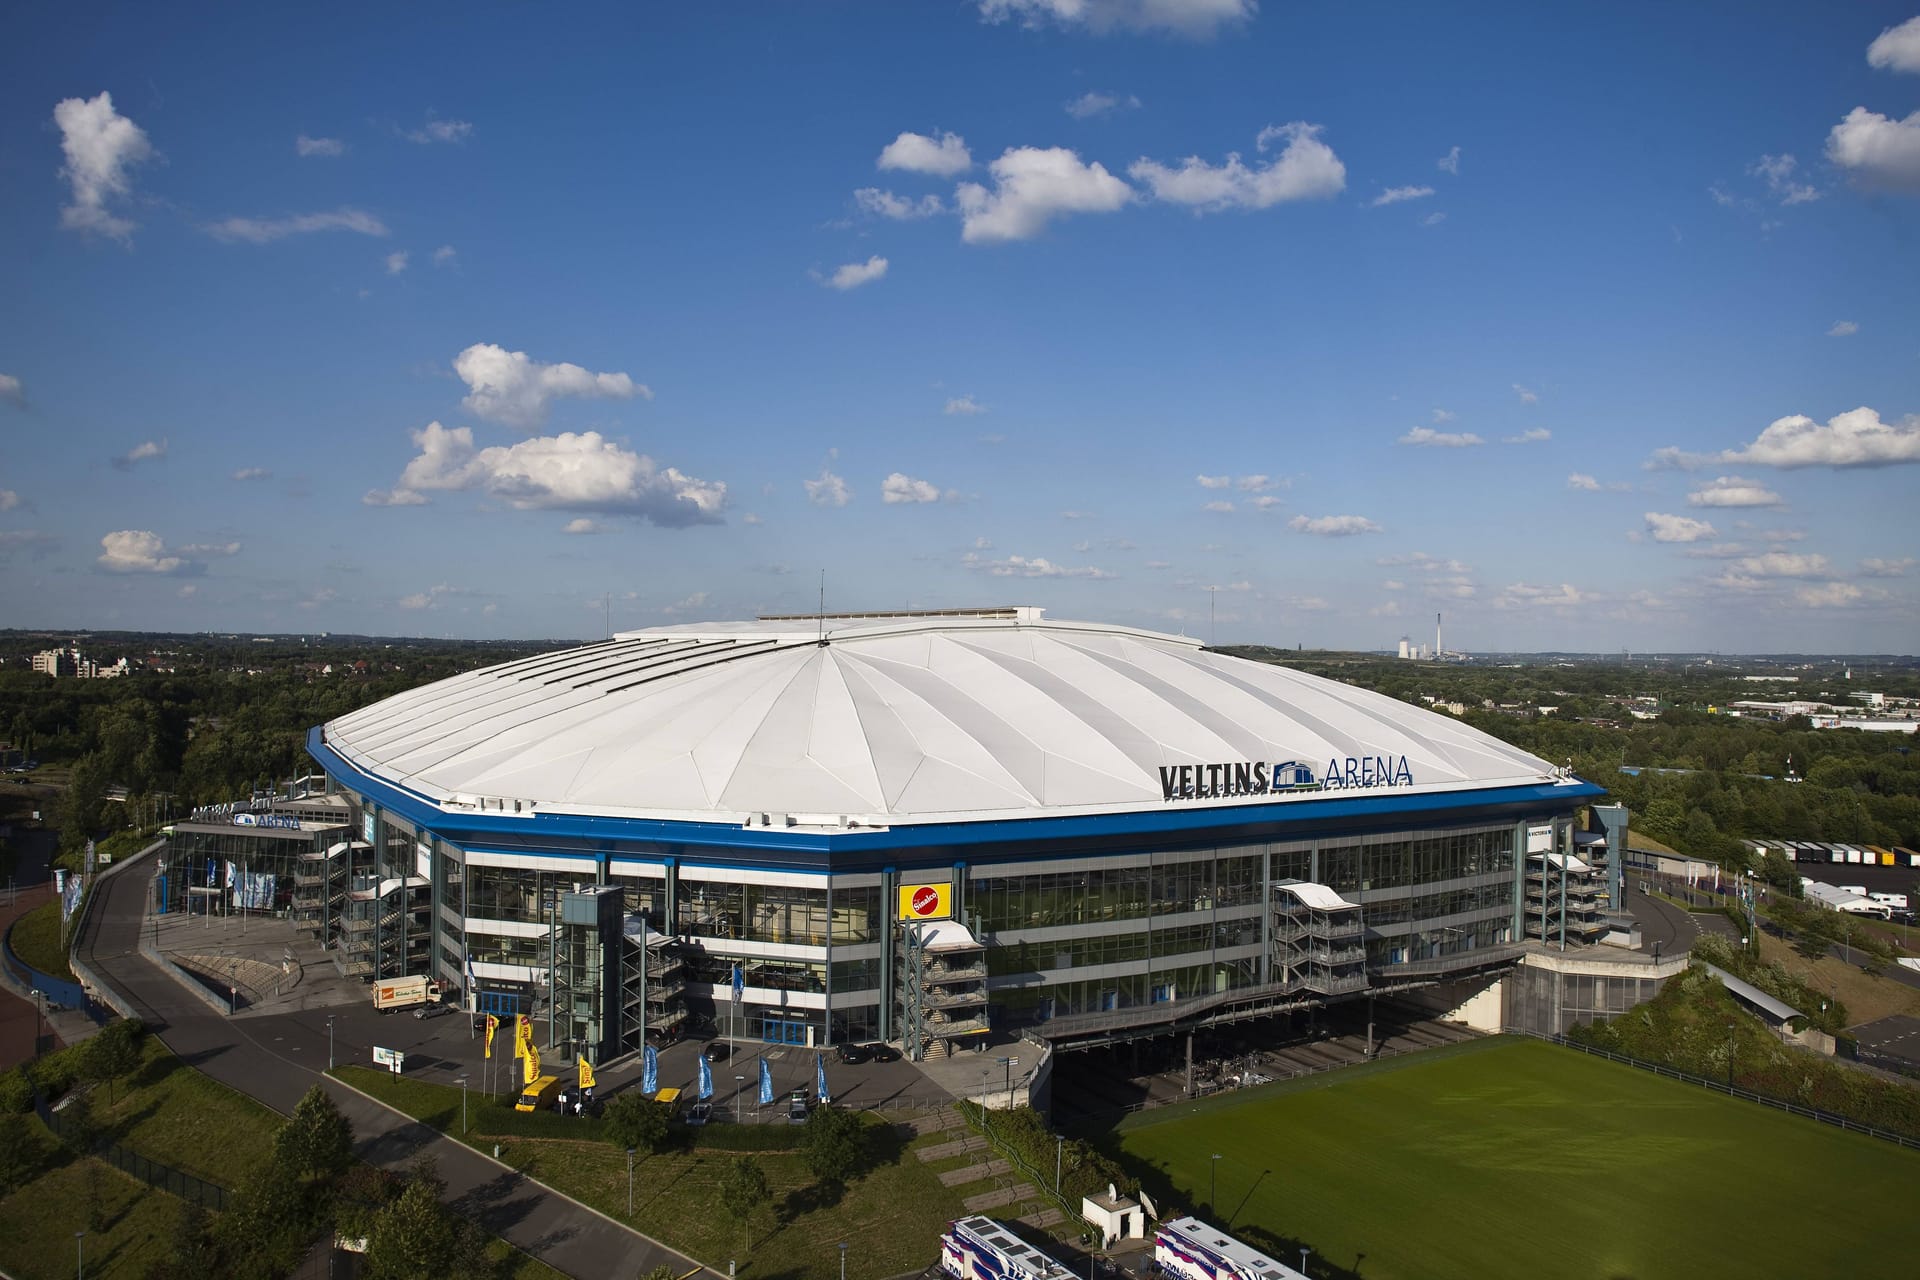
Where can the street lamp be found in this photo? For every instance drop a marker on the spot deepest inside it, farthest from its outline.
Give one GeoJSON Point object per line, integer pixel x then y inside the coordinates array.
{"type": "Point", "coordinates": [1304, 1251]}
{"type": "Point", "coordinates": [629, 1182]}
{"type": "Point", "coordinates": [843, 1260]}
{"type": "Point", "coordinates": [1729, 1057]}
{"type": "Point", "coordinates": [739, 1087]}
{"type": "Point", "coordinates": [1213, 1165]}
{"type": "Point", "coordinates": [463, 1103]}
{"type": "Point", "coordinates": [329, 1042]}
{"type": "Point", "coordinates": [79, 1255]}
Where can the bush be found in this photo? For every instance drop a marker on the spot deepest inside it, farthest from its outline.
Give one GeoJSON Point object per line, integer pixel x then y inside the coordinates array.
{"type": "Point", "coordinates": [16, 1092]}
{"type": "Point", "coordinates": [636, 1122]}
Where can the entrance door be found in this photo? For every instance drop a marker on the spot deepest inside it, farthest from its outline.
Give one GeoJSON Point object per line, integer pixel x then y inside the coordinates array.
{"type": "Point", "coordinates": [782, 1031]}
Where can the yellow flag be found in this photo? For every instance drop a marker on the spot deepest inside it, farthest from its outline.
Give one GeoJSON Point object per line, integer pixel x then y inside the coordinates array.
{"type": "Point", "coordinates": [523, 1037]}
{"type": "Point", "coordinates": [586, 1073]}
{"type": "Point", "coordinates": [492, 1023]}
{"type": "Point", "coordinates": [533, 1063]}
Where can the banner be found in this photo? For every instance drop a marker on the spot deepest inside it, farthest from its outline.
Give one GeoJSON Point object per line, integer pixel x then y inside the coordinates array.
{"type": "Point", "coordinates": [522, 1036]}
{"type": "Point", "coordinates": [492, 1024]}
{"type": "Point", "coordinates": [586, 1072]}
{"type": "Point", "coordinates": [650, 1075]}
{"type": "Point", "coordinates": [739, 984]}
{"type": "Point", "coordinates": [766, 1083]}
{"type": "Point", "coordinates": [820, 1078]}
{"type": "Point", "coordinates": [705, 1089]}
{"type": "Point", "coordinates": [925, 902]}
{"type": "Point", "coordinates": [533, 1063]}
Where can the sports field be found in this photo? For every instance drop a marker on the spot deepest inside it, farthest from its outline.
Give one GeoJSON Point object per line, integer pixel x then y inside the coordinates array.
{"type": "Point", "coordinates": [1518, 1158]}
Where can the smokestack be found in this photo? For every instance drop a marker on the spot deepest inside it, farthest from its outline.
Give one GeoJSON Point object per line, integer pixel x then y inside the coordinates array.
{"type": "Point", "coordinates": [1437, 650]}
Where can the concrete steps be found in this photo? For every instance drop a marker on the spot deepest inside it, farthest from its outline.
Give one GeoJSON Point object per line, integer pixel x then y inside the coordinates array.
{"type": "Point", "coordinates": [974, 1173]}
{"type": "Point", "coordinates": [996, 1198]}
{"type": "Point", "coordinates": [958, 1147]}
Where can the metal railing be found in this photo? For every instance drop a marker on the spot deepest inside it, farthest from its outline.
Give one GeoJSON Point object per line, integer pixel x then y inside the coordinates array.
{"type": "Point", "coordinates": [210, 1195]}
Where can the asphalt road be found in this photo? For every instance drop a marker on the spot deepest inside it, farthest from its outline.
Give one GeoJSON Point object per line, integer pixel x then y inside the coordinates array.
{"type": "Point", "coordinates": [277, 1059]}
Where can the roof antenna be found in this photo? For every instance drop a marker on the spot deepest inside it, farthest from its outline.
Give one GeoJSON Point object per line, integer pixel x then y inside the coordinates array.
{"type": "Point", "coordinates": [822, 635]}
{"type": "Point", "coordinates": [1212, 635]}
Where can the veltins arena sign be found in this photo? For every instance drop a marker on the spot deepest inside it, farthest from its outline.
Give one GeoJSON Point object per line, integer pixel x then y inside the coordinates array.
{"type": "Point", "coordinates": [925, 902]}
{"type": "Point", "coordinates": [1258, 778]}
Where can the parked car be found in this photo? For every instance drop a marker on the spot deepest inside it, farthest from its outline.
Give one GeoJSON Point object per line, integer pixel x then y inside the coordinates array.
{"type": "Point", "coordinates": [718, 1051]}
{"type": "Point", "coordinates": [853, 1054]}
{"type": "Point", "coordinates": [797, 1113]}
{"type": "Point", "coordinates": [699, 1113]}
{"type": "Point", "coordinates": [437, 1009]}
{"type": "Point", "coordinates": [883, 1052]}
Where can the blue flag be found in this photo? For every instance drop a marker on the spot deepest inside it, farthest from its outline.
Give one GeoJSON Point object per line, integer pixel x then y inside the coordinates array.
{"type": "Point", "coordinates": [739, 984]}
{"type": "Point", "coordinates": [706, 1079]}
{"type": "Point", "coordinates": [650, 1076]}
{"type": "Point", "coordinates": [766, 1083]}
{"type": "Point", "coordinates": [820, 1078]}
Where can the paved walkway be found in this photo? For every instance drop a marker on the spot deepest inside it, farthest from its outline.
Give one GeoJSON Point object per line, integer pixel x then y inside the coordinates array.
{"type": "Point", "coordinates": [278, 1058]}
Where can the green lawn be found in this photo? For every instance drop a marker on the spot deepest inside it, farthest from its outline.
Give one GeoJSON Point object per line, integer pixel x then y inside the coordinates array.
{"type": "Point", "coordinates": [892, 1217]}
{"type": "Point", "coordinates": [38, 1221]}
{"type": "Point", "coordinates": [171, 1113]}
{"type": "Point", "coordinates": [1526, 1159]}
{"type": "Point", "coordinates": [37, 938]}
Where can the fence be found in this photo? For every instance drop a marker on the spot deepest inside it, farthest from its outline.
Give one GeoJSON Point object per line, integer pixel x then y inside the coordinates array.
{"type": "Point", "coordinates": [198, 1191]}
{"type": "Point", "coordinates": [58, 991]}
{"type": "Point", "coordinates": [1811, 1113]}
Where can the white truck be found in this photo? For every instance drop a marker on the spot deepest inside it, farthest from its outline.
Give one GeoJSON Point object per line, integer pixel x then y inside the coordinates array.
{"type": "Point", "coordinates": [403, 993]}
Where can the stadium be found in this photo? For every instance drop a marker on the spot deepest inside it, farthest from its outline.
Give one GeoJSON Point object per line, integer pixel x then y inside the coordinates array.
{"type": "Point", "coordinates": [920, 828]}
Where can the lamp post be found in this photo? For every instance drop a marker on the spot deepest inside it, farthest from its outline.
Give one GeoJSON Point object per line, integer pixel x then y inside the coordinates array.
{"type": "Point", "coordinates": [629, 1182]}
{"type": "Point", "coordinates": [79, 1255]}
{"type": "Point", "coordinates": [843, 1260]}
{"type": "Point", "coordinates": [739, 1087]}
{"type": "Point", "coordinates": [1213, 1166]}
{"type": "Point", "coordinates": [1729, 1057]}
{"type": "Point", "coordinates": [1304, 1251]}
{"type": "Point", "coordinates": [1006, 1065]}
{"type": "Point", "coordinates": [1059, 1146]}
{"type": "Point", "coordinates": [463, 1103]}
{"type": "Point", "coordinates": [329, 1042]}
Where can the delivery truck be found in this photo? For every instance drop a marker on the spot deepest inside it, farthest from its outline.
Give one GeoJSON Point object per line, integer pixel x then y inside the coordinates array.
{"type": "Point", "coordinates": [403, 993]}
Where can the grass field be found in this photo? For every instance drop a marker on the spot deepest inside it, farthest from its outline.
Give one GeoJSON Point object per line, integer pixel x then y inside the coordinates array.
{"type": "Point", "coordinates": [38, 939]}
{"type": "Point", "coordinates": [1524, 1159]}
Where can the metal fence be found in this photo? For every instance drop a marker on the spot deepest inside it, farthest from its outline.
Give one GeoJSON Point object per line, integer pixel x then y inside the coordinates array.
{"type": "Point", "coordinates": [198, 1191]}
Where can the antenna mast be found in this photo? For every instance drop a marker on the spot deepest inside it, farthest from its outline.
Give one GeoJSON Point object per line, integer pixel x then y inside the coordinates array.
{"type": "Point", "coordinates": [821, 635]}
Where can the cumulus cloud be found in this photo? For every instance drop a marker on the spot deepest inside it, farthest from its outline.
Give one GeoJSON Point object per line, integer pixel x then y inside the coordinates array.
{"type": "Point", "coordinates": [696, 601]}
{"type": "Point", "coordinates": [1425, 563]}
{"type": "Point", "coordinates": [1449, 163]}
{"type": "Point", "coordinates": [1532, 435]}
{"type": "Point", "coordinates": [1214, 482]}
{"type": "Point", "coordinates": [396, 262]}
{"type": "Point", "coordinates": [1843, 329]}
{"type": "Point", "coordinates": [444, 256]}
{"type": "Point", "coordinates": [141, 551]}
{"type": "Point", "coordinates": [1220, 506]}
{"type": "Point", "coordinates": [943, 157]}
{"type": "Point", "coordinates": [964, 406]}
{"type": "Point", "coordinates": [440, 131]}
{"type": "Point", "coordinates": [1427, 436]}
{"type": "Point", "coordinates": [1857, 438]}
{"type": "Point", "coordinates": [852, 275]}
{"type": "Point", "coordinates": [1394, 195]}
{"type": "Point", "coordinates": [1876, 150]}
{"type": "Point", "coordinates": [1306, 169]}
{"type": "Point", "coordinates": [510, 387]}
{"type": "Point", "coordinates": [829, 490]}
{"type": "Point", "coordinates": [1522, 595]}
{"type": "Point", "coordinates": [1583, 482]}
{"type": "Point", "coordinates": [1778, 173]}
{"type": "Point", "coordinates": [266, 230]}
{"type": "Point", "coordinates": [1332, 526]}
{"type": "Point", "coordinates": [885, 204]}
{"type": "Point", "coordinates": [8, 499]}
{"type": "Point", "coordinates": [1876, 567]}
{"type": "Point", "coordinates": [1031, 187]}
{"type": "Point", "coordinates": [1195, 19]}
{"type": "Point", "coordinates": [100, 145]}
{"type": "Point", "coordinates": [1096, 103]}
{"type": "Point", "coordinates": [1732, 491]}
{"type": "Point", "coordinates": [145, 451]}
{"type": "Point", "coordinates": [1526, 396]}
{"type": "Point", "coordinates": [900, 487]}
{"type": "Point", "coordinates": [1897, 48]}
{"type": "Point", "coordinates": [584, 524]}
{"type": "Point", "coordinates": [393, 498]}
{"type": "Point", "coordinates": [253, 473]}
{"type": "Point", "coordinates": [210, 549]}
{"type": "Point", "coordinates": [1433, 219]}
{"type": "Point", "coordinates": [432, 596]}
{"type": "Point", "coordinates": [1783, 564]}
{"type": "Point", "coordinates": [1022, 567]}
{"type": "Point", "coordinates": [1669, 528]}
{"type": "Point", "coordinates": [567, 472]}
{"type": "Point", "coordinates": [11, 391]}
{"type": "Point", "coordinates": [319, 146]}
{"type": "Point", "coordinates": [1831, 595]}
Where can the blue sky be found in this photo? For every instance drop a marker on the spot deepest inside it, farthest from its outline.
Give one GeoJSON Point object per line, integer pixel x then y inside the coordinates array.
{"type": "Point", "coordinates": [1594, 329]}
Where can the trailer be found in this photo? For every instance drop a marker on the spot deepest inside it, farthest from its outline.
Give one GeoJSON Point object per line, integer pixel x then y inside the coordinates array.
{"type": "Point", "coordinates": [1189, 1249]}
{"type": "Point", "coordinates": [403, 993]}
{"type": "Point", "coordinates": [979, 1248]}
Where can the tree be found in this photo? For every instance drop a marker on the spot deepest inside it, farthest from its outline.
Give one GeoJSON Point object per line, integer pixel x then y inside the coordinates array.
{"type": "Point", "coordinates": [18, 1154]}
{"type": "Point", "coordinates": [743, 1193]}
{"type": "Point", "coordinates": [834, 1144]}
{"type": "Point", "coordinates": [316, 1141]}
{"type": "Point", "coordinates": [413, 1238]}
{"type": "Point", "coordinates": [78, 1132]}
{"type": "Point", "coordinates": [1818, 931]}
{"type": "Point", "coordinates": [266, 1226]}
{"type": "Point", "coordinates": [111, 1053]}
{"type": "Point", "coordinates": [634, 1121]}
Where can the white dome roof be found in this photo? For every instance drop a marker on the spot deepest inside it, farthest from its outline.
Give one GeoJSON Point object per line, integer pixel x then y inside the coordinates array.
{"type": "Point", "coordinates": [897, 719]}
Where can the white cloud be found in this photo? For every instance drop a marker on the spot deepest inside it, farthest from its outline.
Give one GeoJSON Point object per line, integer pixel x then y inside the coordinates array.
{"type": "Point", "coordinates": [1449, 163]}
{"type": "Point", "coordinates": [943, 157]}
{"type": "Point", "coordinates": [568, 472]}
{"type": "Point", "coordinates": [1433, 219]}
{"type": "Point", "coordinates": [696, 601]}
{"type": "Point", "coordinates": [1843, 329]}
{"type": "Point", "coordinates": [1393, 584]}
{"type": "Point", "coordinates": [1441, 439]}
{"type": "Point", "coordinates": [1897, 48]}
{"type": "Point", "coordinates": [1526, 396]}
{"type": "Point", "coordinates": [1391, 609]}
{"type": "Point", "coordinates": [1078, 515]}
{"type": "Point", "coordinates": [852, 275]}
{"type": "Point", "coordinates": [584, 524]}
{"type": "Point", "coordinates": [1394, 195]}
{"type": "Point", "coordinates": [440, 131]}
{"type": "Point", "coordinates": [1856, 438]}
{"type": "Point", "coordinates": [1332, 526]}
{"type": "Point", "coordinates": [1022, 567]}
{"type": "Point", "coordinates": [1425, 563]}
{"type": "Point", "coordinates": [146, 450]}
{"type": "Point", "coordinates": [508, 386]}
{"type": "Point", "coordinates": [1444, 415]}
{"type": "Point", "coordinates": [393, 498]}
{"type": "Point", "coordinates": [396, 262]}
{"type": "Point", "coordinates": [432, 596]}
{"type": "Point", "coordinates": [8, 499]}
{"type": "Point", "coordinates": [1877, 150]}
{"type": "Point", "coordinates": [1583, 482]}
{"type": "Point", "coordinates": [1778, 173]}
{"type": "Point", "coordinates": [1532, 435]}
{"type": "Point", "coordinates": [1214, 482]}
{"type": "Point", "coordinates": [11, 391]}
{"type": "Point", "coordinates": [1522, 595]}
{"type": "Point", "coordinates": [1831, 595]}
{"type": "Point", "coordinates": [141, 551]}
{"type": "Point", "coordinates": [1306, 169]}
{"type": "Point", "coordinates": [1196, 19]}
{"type": "Point", "coordinates": [253, 473]}
{"type": "Point", "coordinates": [1217, 506]}
{"type": "Point", "coordinates": [885, 204]}
{"type": "Point", "coordinates": [1783, 564]}
{"type": "Point", "coordinates": [899, 487]}
{"type": "Point", "coordinates": [828, 491]}
{"type": "Point", "coordinates": [266, 230]}
{"type": "Point", "coordinates": [751, 518]}
{"type": "Point", "coordinates": [210, 549]}
{"type": "Point", "coordinates": [1667, 528]}
{"type": "Point", "coordinates": [444, 256]}
{"type": "Point", "coordinates": [319, 146]}
{"type": "Point", "coordinates": [1783, 535]}
{"type": "Point", "coordinates": [1876, 567]}
{"type": "Point", "coordinates": [1096, 103]}
{"type": "Point", "coordinates": [1732, 491]}
{"type": "Point", "coordinates": [1032, 186]}
{"type": "Point", "coordinates": [100, 145]}
{"type": "Point", "coordinates": [964, 406]}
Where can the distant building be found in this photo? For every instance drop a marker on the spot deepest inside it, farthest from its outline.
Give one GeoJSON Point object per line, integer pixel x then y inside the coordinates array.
{"type": "Point", "coordinates": [71, 663]}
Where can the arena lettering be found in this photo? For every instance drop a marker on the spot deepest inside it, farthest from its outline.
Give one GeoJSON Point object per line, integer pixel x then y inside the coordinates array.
{"type": "Point", "coordinates": [1238, 778]}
